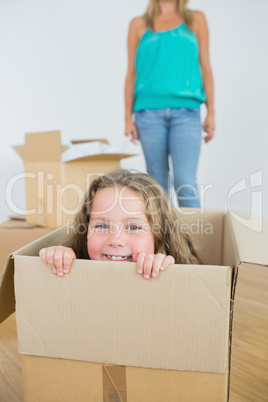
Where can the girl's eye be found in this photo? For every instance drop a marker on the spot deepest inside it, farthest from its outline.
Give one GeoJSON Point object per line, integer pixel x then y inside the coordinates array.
{"type": "Point", "coordinates": [101, 226]}
{"type": "Point", "coordinates": [134, 227]}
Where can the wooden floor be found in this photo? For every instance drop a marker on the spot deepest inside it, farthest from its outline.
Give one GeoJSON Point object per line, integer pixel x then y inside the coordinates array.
{"type": "Point", "coordinates": [249, 371]}
{"type": "Point", "coordinates": [249, 374]}
{"type": "Point", "coordinates": [11, 388]}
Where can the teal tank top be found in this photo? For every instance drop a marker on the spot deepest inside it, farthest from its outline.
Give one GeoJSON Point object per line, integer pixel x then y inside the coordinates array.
{"type": "Point", "coordinates": [168, 70]}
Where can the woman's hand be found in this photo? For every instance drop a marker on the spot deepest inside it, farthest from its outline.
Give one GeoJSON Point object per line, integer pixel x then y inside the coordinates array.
{"type": "Point", "coordinates": [58, 258]}
{"type": "Point", "coordinates": [151, 264]}
{"type": "Point", "coordinates": [209, 127]}
{"type": "Point", "coordinates": [131, 130]}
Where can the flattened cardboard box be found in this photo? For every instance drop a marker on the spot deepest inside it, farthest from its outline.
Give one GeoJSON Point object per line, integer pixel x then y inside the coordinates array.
{"type": "Point", "coordinates": [55, 189]}
{"type": "Point", "coordinates": [121, 337]}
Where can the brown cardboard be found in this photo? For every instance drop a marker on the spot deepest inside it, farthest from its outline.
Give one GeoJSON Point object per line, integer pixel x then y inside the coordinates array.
{"type": "Point", "coordinates": [46, 379]}
{"type": "Point", "coordinates": [86, 381]}
{"type": "Point", "coordinates": [91, 321]}
{"type": "Point", "coordinates": [247, 245]}
{"type": "Point", "coordinates": [102, 140]}
{"type": "Point", "coordinates": [55, 189]}
{"type": "Point", "coordinates": [117, 303]}
{"type": "Point", "coordinates": [14, 234]}
{"type": "Point", "coordinates": [7, 293]}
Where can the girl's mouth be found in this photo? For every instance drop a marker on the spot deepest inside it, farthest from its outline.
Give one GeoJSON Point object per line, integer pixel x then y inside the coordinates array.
{"type": "Point", "coordinates": [119, 257]}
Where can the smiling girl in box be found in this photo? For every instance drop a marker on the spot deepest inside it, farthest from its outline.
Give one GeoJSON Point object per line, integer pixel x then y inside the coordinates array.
{"type": "Point", "coordinates": [125, 216]}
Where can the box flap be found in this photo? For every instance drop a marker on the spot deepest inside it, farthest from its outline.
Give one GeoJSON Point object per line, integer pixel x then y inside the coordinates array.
{"type": "Point", "coordinates": [14, 234]}
{"type": "Point", "coordinates": [7, 294]}
{"type": "Point", "coordinates": [19, 149]}
{"type": "Point", "coordinates": [51, 239]}
{"type": "Point", "coordinates": [207, 228]}
{"type": "Point", "coordinates": [251, 237]}
{"type": "Point", "coordinates": [102, 140]}
{"type": "Point", "coordinates": [102, 158]}
{"type": "Point", "coordinates": [64, 148]}
{"type": "Point", "coordinates": [105, 312]}
{"type": "Point", "coordinates": [43, 147]}
{"type": "Point", "coordinates": [94, 150]}
{"type": "Point", "coordinates": [230, 251]}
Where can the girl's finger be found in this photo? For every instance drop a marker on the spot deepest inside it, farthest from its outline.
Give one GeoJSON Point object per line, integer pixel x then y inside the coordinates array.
{"type": "Point", "coordinates": [168, 260]}
{"type": "Point", "coordinates": [158, 262]}
{"type": "Point", "coordinates": [42, 254]}
{"type": "Point", "coordinates": [58, 261]}
{"type": "Point", "coordinates": [50, 256]}
{"type": "Point", "coordinates": [135, 256]}
{"type": "Point", "coordinates": [140, 263]}
{"type": "Point", "coordinates": [148, 265]}
{"type": "Point", "coordinates": [68, 257]}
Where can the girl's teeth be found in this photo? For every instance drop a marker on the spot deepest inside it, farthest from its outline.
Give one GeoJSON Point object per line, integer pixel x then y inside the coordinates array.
{"type": "Point", "coordinates": [117, 258]}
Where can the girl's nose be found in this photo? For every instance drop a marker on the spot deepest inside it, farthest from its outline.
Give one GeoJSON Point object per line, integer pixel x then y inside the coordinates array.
{"type": "Point", "coordinates": [117, 238]}
{"type": "Point", "coordinates": [116, 242]}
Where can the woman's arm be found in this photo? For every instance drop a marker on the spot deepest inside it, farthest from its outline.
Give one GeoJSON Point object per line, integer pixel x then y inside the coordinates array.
{"type": "Point", "coordinates": [201, 29]}
{"type": "Point", "coordinates": [132, 44]}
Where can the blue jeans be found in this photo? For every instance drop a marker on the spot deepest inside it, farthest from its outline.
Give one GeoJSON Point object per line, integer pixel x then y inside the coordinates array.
{"type": "Point", "coordinates": [174, 133]}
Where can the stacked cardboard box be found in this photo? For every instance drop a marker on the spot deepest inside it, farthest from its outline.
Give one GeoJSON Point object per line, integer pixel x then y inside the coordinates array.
{"type": "Point", "coordinates": [55, 182]}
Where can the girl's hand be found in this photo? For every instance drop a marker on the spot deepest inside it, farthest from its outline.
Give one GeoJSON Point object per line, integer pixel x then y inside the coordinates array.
{"type": "Point", "coordinates": [151, 264]}
{"type": "Point", "coordinates": [131, 130]}
{"type": "Point", "coordinates": [58, 258]}
{"type": "Point", "coordinates": [209, 127]}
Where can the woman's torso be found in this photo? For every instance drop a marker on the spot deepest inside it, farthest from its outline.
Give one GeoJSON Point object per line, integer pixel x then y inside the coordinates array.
{"type": "Point", "coordinates": [167, 68]}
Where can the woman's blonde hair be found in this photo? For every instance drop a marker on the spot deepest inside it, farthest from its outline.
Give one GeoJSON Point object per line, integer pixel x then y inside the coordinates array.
{"type": "Point", "coordinates": [153, 10]}
{"type": "Point", "coordinates": [163, 218]}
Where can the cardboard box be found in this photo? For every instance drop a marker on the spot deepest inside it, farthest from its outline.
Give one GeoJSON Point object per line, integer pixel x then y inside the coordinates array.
{"type": "Point", "coordinates": [103, 333]}
{"type": "Point", "coordinates": [14, 234]}
{"type": "Point", "coordinates": [55, 185]}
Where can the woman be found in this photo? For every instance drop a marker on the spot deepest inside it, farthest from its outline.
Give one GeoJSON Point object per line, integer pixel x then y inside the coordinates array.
{"type": "Point", "coordinates": [168, 77]}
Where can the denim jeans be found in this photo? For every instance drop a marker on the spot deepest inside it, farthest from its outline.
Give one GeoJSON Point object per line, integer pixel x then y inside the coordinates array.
{"type": "Point", "coordinates": [175, 135]}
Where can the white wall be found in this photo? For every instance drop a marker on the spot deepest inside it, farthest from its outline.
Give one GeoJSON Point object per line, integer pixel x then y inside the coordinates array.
{"type": "Point", "coordinates": [63, 64]}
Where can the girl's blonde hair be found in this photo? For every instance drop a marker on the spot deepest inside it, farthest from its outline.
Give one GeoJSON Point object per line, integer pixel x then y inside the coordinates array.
{"type": "Point", "coordinates": [163, 218]}
{"type": "Point", "coordinates": [153, 10]}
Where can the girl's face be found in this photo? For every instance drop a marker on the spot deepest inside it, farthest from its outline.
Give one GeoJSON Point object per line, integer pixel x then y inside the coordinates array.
{"type": "Point", "coordinates": [118, 226]}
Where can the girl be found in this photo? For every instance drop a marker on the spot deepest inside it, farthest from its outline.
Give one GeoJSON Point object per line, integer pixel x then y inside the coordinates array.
{"type": "Point", "coordinates": [168, 77]}
{"type": "Point", "coordinates": [125, 216]}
